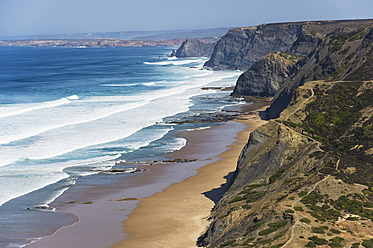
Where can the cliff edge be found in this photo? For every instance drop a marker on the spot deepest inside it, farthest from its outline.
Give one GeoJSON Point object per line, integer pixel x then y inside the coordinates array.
{"type": "Point", "coordinates": [240, 48]}
{"type": "Point", "coordinates": [304, 179]}
{"type": "Point", "coordinates": [194, 48]}
{"type": "Point", "coordinates": [344, 54]}
{"type": "Point", "coordinates": [264, 77]}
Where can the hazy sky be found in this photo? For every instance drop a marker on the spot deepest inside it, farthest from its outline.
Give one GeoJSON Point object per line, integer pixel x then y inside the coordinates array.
{"type": "Point", "coordinates": [24, 17]}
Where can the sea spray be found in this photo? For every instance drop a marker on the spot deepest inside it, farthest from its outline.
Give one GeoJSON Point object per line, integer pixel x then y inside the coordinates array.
{"type": "Point", "coordinates": [80, 111]}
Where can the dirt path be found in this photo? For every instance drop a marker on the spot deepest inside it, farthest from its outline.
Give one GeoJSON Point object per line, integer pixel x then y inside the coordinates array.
{"type": "Point", "coordinates": [303, 103]}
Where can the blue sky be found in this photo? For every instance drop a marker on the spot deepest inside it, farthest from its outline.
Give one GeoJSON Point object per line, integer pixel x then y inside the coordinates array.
{"type": "Point", "coordinates": [25, 17]}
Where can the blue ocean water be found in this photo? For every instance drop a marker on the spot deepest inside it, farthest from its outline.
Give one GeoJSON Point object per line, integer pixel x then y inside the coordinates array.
{"type": "Point", "coordinates": [71, 112]}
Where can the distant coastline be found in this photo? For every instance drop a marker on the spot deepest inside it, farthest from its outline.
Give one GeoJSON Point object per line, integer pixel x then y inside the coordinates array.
{"type": "Point", "coordinates": [97, 42]}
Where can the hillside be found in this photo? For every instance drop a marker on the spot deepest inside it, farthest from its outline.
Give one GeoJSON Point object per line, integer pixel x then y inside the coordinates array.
{"type": "Point", "coordinates": [304, 179]}
{"type": "Point", "coordinates": [345, 54]}
{"type": "Point", "coordinates": [328, 50]}
{"type": "Point", "coordinates": [242, 47]}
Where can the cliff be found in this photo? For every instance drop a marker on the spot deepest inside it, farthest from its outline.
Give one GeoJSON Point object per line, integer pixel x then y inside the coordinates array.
{"type": "Point", "coordinates": [194, 48]}
{"type": "Point", "coordinates": [306, 178]}
{"type": "Point", "coordinates": [264, 77]}
{"type": "Point", "coordinates": [344, 54]}
{"type": "Point", "coordinates": [330, 50]}
{"type": "Point", "coordinates": [242, 47]}
{"type": "Point", "coordinates": [95, 42]}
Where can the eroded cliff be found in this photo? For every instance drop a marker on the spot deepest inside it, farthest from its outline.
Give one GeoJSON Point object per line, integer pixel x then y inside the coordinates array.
{"type": "Point", "coordinates": [194, 48]}
{"type": "Point", "coordinates": [264, 77]}
{"type": "Point", "coordinates": [242, 47]}
{"type": "Point", "coordinates": [344, 54]}
{"type": "Point", "coordinates": [304, 179]}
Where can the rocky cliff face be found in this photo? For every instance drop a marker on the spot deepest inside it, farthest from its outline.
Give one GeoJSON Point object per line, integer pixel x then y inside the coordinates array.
{"type": "Point", "coordinates": [331, 50]}
{"type": "Point", "coordinates": [242, 47]}
{"type": "Point", "coordinates": [344, 53]}
{"type": "Point", "coordinates": [306, 178]}
{"type": "Point", "coordinates": [194, 48]}
{"type": "Point", "coordinates": [264, 77]}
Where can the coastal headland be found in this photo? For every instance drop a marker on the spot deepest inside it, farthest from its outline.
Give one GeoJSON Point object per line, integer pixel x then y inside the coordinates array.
{"type": "Point", "coordinates": [303, 179]}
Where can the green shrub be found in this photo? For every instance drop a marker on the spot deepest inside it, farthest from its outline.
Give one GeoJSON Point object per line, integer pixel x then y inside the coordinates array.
{"type": "Point", "coordinates": [317, 154]}
{"type": "Point", "coordinates": [236, 199]}
{"type": "Point", "coordinates": [247, 242]}
{"type": "Point", "coordinates": [336, 242]}
{"type": "Point", "coordinates": [254, 227]}
{"type": "Point", "coordinates": [254, 196]}
{"type": "Point", "coordinates": [311, 244]}
{"type": "Point", "coordinates": [275, 176]}
{"type": "Point", "coordinates": [297, 208]}
{"type": "Point", "coordinates": [274, 226]}
{"type": "Point", "coordinates": [277, 246]}
{"type": "Point", "coordinates": [368, 243]}
{"type": "Point", "coordinates": [254, 186]}
{"type": "Point", "coordinates": [229, 242]}
{"type": "Point", "coordinates": [318, 230]}
{"type": "Point", "coordinates": [368, 204]}
{"type": "Point", "coordinates": [289, 211]}
{"type": "Point", "coordinates": [305, 220]}
{"type": "Point", "coordinates": [335, 231]}
{"type": "Point", "coordinates": [267, 231]}
{"type": "Point", "coordinates": [278, 224]}
{"type": "Point", "coordinates": [303, 193]}
{"type": "Point", "coordinates": [246, 206]}
{"type": "Point", "coordinates": [318, 241]}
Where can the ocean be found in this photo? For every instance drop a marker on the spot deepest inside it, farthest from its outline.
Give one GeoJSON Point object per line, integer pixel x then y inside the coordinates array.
{"type": "Point", "coordinates": [66, 113]}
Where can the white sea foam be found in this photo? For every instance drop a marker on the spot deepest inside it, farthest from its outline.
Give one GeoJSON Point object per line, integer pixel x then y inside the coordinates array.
{"type": "Point", "coordinates": [196, 129]}
{"type": "Point", "coordinates": [78, 129]}
{"type": "Point", "coordinates": [119, 85]}
{"type": "Point", "coordinates": [73, 97]}
{"type": "Point", "coordinates": [32, 177]}
{"type": "Point", "coordinates": [149, 84]}
{"type": "Point", "coordinates": [55, 134]}
{"type": "Point", "coordinates": [17, 109]}
{"type": "Point", "coordinates": [175, 62]}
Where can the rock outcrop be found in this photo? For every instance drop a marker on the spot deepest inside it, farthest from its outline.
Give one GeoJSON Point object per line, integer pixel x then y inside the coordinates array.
{"type": "Point", "coordinates": [331, 50]}
{"type": "Point", "coordinates": [305, 178]}
{"type": "Point", "coordinates": [194, 48]}
{"type": "Point", "coordinates": [344, 54]}
{"type": "Point", "coordinates": [242, 47]}
{"type": "Point", "coordinates": [264, 77]}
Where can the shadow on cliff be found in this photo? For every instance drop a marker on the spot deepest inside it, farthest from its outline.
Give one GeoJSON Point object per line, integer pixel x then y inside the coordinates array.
{"type": "Point", "coordinates": [217, 193]}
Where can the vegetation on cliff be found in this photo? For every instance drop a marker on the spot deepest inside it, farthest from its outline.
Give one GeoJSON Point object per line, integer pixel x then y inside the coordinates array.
{"type": "Point", "coordinates": [304, 180]}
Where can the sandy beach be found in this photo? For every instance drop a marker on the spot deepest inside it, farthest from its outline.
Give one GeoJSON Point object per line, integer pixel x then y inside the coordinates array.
{"type": "Point", "coordinates": [174, 200]}
{"type": "Point", "coordinates": [177, 216]}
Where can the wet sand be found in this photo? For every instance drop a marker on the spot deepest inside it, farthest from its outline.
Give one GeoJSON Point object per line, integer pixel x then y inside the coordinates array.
{"type": "Point", "coordinates": [177, 216]}
{"type": "Point", "coordinates": [174, 199]}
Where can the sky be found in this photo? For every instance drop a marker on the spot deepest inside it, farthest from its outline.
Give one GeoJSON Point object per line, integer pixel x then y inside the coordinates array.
{"type": "Point", "coordinates": [30, 17]}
